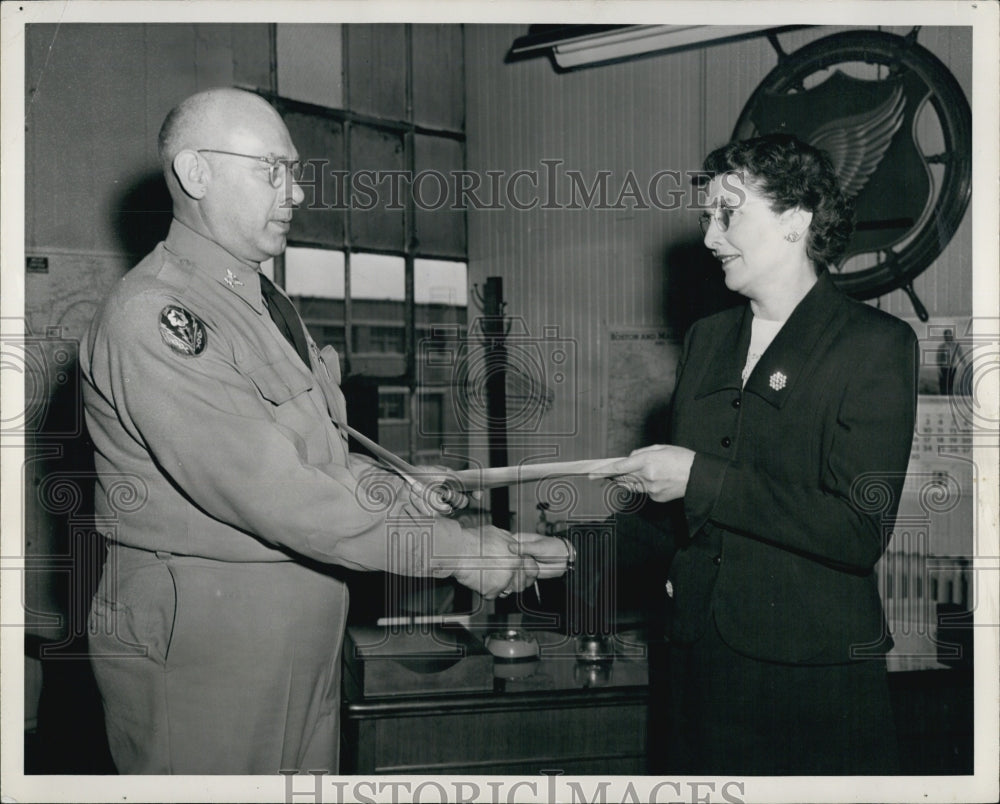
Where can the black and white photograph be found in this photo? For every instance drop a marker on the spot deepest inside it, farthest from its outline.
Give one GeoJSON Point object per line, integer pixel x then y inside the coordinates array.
{"type": "Point", "coordinates": [500, 402]}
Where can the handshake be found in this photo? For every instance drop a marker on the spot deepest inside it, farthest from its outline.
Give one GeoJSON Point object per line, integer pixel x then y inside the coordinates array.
{"type": "Point", "coordinates": [487, 559]}
{"type": "Point", "coordinates": [510, 562]}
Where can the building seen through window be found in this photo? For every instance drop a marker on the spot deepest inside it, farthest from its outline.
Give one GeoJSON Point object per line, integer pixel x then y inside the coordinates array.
{"type": "Point", "coordinates": [357, 303]}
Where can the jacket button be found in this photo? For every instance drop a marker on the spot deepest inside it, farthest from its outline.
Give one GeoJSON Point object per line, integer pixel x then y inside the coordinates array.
{"type": "Point", "coordinates": [717, 560]}
{"type": "Point", "coordinates": [726, 442]}
{"type": "Point", "coordinates": [736, 403]}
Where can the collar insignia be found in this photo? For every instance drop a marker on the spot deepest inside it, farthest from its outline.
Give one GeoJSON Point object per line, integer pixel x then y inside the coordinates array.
{"type": "Point", "coordinates": [778, 381]}
{"type": "Point", "coordinates": [232, 280]}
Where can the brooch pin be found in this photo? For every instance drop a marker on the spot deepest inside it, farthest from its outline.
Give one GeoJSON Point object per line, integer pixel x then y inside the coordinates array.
{"type": "Point", "coordinates": [232, 280]}
{"type": "Point", "coordinates": [778, 381]}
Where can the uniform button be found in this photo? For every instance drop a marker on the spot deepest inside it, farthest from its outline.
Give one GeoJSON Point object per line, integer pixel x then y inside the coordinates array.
{"type": "Point", "coordinates": [726, 442]}
{"type": "Point", "coordinates": [717, 560]}
{"type": "Point", "coordinates": [736, 403]}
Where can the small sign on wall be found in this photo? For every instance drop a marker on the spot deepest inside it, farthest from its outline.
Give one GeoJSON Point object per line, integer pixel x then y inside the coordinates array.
{"type": "Point", "coordinates": [37, 265]}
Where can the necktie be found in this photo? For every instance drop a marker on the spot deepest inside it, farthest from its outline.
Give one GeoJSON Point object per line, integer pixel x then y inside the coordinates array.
{"type": "Point", "coordinates": [285, 318]}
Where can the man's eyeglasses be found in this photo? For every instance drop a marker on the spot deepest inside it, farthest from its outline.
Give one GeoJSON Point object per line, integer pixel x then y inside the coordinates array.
{"type": "Point", "coordinates": [275, 167]}
{"type": "Point", "coordinates": [720, 213]}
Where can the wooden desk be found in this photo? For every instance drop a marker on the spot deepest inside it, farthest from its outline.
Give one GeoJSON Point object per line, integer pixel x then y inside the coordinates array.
{"type": "Point", "coordinates": [437, 702]}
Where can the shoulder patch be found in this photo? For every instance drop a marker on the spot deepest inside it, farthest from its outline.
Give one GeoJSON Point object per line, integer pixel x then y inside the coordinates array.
{"type": "Point", "coordinates": [182, 331]}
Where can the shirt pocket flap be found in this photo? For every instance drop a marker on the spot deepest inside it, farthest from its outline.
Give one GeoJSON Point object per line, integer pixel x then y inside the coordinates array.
{"type": "Point", "coordinates": [331, 360]}
{"type": "Point", "coordinates": [280, 381]}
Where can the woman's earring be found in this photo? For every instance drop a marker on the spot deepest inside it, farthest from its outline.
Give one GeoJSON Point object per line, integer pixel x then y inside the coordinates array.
{"type": "Point", "coordinates": [792, 237]}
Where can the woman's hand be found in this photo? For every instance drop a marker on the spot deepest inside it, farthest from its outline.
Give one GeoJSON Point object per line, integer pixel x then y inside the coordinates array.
{"type": "Point", "coordinates": [660, 470]}
{"type": "Point", "coordinates": [553, 555]}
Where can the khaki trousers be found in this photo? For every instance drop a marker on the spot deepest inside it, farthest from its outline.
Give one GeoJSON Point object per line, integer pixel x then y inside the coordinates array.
{"type": "Point", "coordinates": [209, 667]}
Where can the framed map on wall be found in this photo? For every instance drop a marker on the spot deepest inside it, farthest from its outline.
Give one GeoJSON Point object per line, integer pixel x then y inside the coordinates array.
{"type": "Point", "coordinates": [641, 369]}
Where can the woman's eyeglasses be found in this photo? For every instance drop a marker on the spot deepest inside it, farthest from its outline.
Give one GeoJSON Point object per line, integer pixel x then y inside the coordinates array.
{"type": "Point", "coordinates": [720, 213]}
{"type": "Point", "coordinates": [275, 167]}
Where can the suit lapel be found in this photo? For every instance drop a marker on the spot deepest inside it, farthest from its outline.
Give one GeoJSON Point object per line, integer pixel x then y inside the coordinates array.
{"type": "Point", "coordinates": [787, 358]}
{"type": "Point", "coordinates": [726, 364]}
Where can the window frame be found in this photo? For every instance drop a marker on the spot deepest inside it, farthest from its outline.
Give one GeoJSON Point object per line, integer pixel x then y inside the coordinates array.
{"type": "Point", "coordinates": [407, 129]}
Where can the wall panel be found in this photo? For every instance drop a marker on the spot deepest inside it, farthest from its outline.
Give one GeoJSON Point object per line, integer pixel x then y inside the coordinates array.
{"type": "Point", "coordinates": [92, 122]}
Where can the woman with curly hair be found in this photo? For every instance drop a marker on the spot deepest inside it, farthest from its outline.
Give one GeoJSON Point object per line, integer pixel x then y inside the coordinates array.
{"type": "Point", "coordinates": [791, 427]}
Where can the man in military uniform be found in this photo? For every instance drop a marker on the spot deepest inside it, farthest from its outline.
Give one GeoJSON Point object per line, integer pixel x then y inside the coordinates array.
{"type": "Point", "coordinates": [226, 486]}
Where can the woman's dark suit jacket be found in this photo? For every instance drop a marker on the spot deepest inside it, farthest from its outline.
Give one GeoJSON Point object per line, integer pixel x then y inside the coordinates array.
{"type": "Point", "coordinates": [796, 481]}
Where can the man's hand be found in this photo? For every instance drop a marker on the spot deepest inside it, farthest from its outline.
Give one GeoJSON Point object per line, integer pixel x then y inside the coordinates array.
{"type": "Point", "coordinates": [439, 495]}
{"type": "Point", "coordinates": [552, 555]}
{"type": "Point", "coordinates": [427, 491]}
{"type": "Point", "coordinates": [495, 569]}
{"type": "Point", "coordinates": [661, 471]}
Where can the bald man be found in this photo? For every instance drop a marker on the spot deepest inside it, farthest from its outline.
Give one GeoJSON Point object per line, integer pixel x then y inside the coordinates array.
{"type": "Point", "coordinates": [225, 485]}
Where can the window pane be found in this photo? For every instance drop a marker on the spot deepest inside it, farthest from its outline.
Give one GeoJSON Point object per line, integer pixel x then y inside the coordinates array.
{"type": "Point", "coordinates": [392, 405]}
{"type": "Point", "coordinates": [440, 222]}
{"type": "Point", "coordinates": [314, 272]}
{"type": "Point", "coordinates": [440, 289]}
{"type": "Point", "coordinates": [440, 282]}
{"type": "Point", "coordinates": [378, 316]}
{"type": "Point", "coordinates": [376, 69]}
{"type": "Point", "coordinates": [377, 339]}
{"type": "Point", "coordinates": [326, 334]}
{"type": "Point", "coordinates": [394, 419]}
{"type": "Point", "coordinates": [378, 276]}
{"type": "Point", "coordinates": [319, 140]}
{"type": "Point", "coordinates": [438, 76]}
{"type": "Point", "coordinates": [431, 411]}
{"type": "Point", "coordinates": [441, 292]}
{"type": "Point", "coordinates": [314, 278]}
{"type": "Point", "coordinates": [309, 64]}
{"type": "Point", "coordinates": [377, 200]}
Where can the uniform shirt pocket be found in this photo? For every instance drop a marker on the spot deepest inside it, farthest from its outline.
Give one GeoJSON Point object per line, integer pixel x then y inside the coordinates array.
{"type": "Point", "coordinates": [286, 388]}
{"type": "Point", "coordinates": [280, 381]}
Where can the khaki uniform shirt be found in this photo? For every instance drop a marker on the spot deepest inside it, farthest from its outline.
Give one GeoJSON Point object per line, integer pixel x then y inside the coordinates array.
{"type": "Point", "coordinates": [212, 437]}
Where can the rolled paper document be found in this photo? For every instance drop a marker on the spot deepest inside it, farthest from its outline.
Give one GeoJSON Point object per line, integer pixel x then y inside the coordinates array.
{"type": "Point", "coordinates": [485, 478]}
{"type": "Point", "coordinates": [493, 477]}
